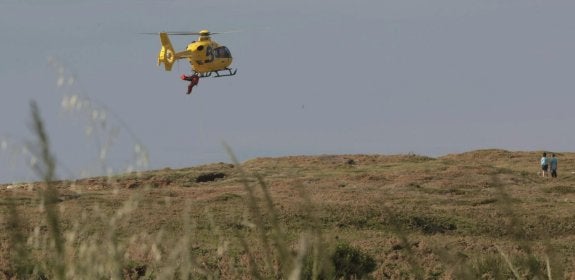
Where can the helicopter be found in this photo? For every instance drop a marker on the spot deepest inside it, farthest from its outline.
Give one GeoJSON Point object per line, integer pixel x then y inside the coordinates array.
{"type": "Point", "coordinates": [207, 58]}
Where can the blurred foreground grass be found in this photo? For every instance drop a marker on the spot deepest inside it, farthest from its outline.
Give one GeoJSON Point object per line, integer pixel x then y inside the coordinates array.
{"type": "Point", "coordinates": [477, 215]}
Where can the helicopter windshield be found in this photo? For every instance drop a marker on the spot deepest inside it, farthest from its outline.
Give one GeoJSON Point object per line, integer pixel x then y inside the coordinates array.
{"type": "Point", "coordinates": [222, 52]}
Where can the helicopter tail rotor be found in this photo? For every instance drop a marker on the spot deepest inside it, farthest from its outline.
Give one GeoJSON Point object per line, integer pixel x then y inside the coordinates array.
{"type": "Point", "coordinates": [167, 55]}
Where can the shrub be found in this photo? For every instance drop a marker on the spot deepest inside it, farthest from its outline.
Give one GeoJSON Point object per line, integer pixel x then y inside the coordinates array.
{"type": "Point", "coordinates": [345, 262]}
{"type": "Point", "coordinates": [350, 262]}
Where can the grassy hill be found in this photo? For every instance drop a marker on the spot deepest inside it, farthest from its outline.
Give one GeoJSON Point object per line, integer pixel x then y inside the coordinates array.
{"type": "Point", "coordinates": [483, 214]}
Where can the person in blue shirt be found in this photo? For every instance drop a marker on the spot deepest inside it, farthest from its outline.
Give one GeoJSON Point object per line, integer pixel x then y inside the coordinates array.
{"type": "Point", "coordinates": [553, 166]}
{"type": "Point", "coordinates": [544, 164]}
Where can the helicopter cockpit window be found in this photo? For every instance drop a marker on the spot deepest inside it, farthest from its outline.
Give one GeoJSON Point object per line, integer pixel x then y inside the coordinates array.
{"type": "Point", "coordinates": [222, 52]}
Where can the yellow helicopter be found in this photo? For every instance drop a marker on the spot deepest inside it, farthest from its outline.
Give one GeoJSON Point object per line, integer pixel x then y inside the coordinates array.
{"type": "Point", "coordinates": [207, 58]}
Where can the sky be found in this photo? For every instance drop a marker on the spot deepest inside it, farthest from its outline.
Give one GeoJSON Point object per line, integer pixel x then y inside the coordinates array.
{"type": "Point", "coordinates": [314, 77]}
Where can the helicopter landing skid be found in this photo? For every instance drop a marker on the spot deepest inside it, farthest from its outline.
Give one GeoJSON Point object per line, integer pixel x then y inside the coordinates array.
{"type": "Point", "coordinates": [227, 72]}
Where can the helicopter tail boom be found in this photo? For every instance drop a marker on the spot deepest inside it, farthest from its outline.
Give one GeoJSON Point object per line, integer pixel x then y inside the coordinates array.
{"type": "Point", "coordinates": [167, 55]}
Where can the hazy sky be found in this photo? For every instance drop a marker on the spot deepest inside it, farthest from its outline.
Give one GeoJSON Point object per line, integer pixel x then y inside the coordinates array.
{"type": "Point", "coordinates": [314, 77]}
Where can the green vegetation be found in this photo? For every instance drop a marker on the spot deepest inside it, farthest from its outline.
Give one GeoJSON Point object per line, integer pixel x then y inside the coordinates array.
{"type": "Point", "coordinates": [350, 262]}
{"type": "Point", "coordinates": [478, 215]}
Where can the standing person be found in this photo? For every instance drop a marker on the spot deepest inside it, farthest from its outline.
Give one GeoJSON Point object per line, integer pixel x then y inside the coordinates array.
{"type": "Point", "coordinates": [544, 164]}
{"type": "Point", "coordinates": [553, 166]}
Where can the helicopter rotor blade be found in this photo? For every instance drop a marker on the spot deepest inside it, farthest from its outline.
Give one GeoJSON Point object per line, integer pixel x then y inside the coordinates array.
{"type": "Point", "coordinates": [185, 33]}
{"type": "Point", "coordinates": [173, 33]}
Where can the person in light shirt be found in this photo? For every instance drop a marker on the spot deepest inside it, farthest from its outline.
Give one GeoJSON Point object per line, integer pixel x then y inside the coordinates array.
{"type": "Point", "coordinates": [544, 164]}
